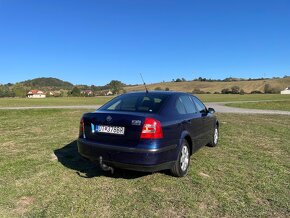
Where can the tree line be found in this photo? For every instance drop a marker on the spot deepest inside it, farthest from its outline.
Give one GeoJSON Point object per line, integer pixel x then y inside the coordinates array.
{"type": "Point", "coordinates": [228, 79]}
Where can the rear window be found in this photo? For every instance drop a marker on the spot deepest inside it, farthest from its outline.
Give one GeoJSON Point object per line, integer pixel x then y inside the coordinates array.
{"type": "Point", "coordinates": [141, 102]}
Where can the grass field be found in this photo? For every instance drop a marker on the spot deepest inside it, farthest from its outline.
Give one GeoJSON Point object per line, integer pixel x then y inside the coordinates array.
{"type": "Point", "coordinates": [231, 97]}
{"type": "Point", "coordinates": [41, 174]}
{"type": "Point", "coordinates": [24, 102]}
{"type": "Point", "coordinates": [273, 105]}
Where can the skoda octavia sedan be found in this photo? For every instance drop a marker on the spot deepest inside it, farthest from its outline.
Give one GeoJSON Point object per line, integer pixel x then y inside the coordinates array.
{"type": "Point", "coordinates": [148, 131]}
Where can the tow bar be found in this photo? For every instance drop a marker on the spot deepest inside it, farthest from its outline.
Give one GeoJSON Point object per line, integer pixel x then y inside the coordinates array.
{"type": "Point", "coordinates": [105, 167]}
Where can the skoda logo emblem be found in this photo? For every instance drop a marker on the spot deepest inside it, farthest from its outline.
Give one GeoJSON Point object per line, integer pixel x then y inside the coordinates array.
{"type": "Point", "coordinates": [109, 118]}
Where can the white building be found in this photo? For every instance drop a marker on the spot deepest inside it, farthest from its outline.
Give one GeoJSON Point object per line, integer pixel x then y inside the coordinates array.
{"type": "Point", "coordinates": [109, 93]}
{"type": "Point", "coordinates": [286, 91]}
{"type": "Point", "coordinates": [87, 92]}
{"type": "Point", "coordinates": [35, 94]}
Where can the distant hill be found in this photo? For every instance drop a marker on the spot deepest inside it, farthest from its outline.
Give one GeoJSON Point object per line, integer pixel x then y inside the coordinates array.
{"type": "Point", "coordinates": [46, 83]}
{"type": "Point", "coordinates": [216, 86]}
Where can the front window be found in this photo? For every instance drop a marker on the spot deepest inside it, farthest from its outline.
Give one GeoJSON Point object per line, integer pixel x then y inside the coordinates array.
{"type": "Point", "coordinates": [200, 106]}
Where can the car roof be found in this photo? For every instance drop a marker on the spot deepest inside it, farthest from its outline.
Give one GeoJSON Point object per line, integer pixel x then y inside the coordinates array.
{"type": "Point", "coordinates": [157, 92]}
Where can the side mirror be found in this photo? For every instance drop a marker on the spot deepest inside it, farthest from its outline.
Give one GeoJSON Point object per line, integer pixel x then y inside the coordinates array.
{"type": "Point", "coordinates": [211, 110]}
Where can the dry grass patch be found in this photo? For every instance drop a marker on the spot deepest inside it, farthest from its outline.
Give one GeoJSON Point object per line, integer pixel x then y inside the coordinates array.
{"type": "Point", "coordinates": [23, 203]}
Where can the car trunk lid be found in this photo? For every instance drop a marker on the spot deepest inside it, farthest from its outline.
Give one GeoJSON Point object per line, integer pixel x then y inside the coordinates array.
{"type": "Point", "coordinates": [113, 128]}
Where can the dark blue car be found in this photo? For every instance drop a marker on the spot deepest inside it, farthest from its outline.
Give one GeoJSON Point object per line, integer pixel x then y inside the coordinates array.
{"type": "Point", "coordinates": [148, 131]}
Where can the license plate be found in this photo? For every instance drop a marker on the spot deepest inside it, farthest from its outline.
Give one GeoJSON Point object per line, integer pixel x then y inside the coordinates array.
{"type": "Point", "coordinates": [118, 130]}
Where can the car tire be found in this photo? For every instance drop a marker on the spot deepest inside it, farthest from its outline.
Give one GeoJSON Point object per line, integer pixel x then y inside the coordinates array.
{"type": "Point", "coordinates": [180, 167]}
{"type": "Point", "coordinates": [215, 137]}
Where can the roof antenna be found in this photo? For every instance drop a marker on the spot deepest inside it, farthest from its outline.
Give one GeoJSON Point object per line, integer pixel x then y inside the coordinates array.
{"type": "Point", "coordinates": [144, 83]}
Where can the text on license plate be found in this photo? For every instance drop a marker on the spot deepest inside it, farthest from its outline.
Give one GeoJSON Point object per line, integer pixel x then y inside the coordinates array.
{"type": "Point", "coordinates": [119, 130]}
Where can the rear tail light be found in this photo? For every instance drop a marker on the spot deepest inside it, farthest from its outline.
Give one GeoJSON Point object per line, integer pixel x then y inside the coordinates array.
{"type": "Point", "coordinates": [151, 129]}
{"type": "Point", "coordinates": [82, 128]}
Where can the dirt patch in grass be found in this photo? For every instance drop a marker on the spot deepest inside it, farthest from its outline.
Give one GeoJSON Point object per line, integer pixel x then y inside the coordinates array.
{"type": "Point", "coordinates": [23, 204]}
{"type": "Point", "coordinates": [204, 175]}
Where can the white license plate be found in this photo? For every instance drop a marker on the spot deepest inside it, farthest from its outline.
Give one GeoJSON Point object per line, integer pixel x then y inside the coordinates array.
{"type": "Point", "coordinates": [118, 130]}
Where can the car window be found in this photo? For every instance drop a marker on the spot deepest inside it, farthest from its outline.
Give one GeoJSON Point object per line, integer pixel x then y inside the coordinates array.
{"type": "Point", "coordinates": [188, 104]}
{"type": "Point", "coordinates": [140, 102]}
{"type": "Point", "coordinates": [200, 106]}
{"type": "Point", "coordinates": [180, 107]}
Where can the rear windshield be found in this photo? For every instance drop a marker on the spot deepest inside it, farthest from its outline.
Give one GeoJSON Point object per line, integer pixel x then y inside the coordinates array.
{"type": "Point", "coordinates": [141, 102]}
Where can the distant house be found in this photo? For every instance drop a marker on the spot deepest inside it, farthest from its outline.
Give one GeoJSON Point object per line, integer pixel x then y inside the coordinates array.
{"type": "Point", "coordinates": [35, 94]}
{"type": "Point", "coordinates": [87, 92]}
{"type": "Point", "coordinates": [286, 91]}
{"type": "Point", "coordinates": [109, 93]}
{"type": "Point", "coordinates": [54, 93]}
{"type": "Point", "coordinates": [50, 93]}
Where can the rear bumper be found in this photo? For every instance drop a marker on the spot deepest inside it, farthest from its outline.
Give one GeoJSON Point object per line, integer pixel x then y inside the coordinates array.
{"type": "Point", "coordinates": [138, 159]}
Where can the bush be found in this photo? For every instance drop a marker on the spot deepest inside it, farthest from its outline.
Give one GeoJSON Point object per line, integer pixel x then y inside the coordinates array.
{"type": "Point", "coordinates": [197, 91]}
{"type": "Point", "coordinates": [271, 90]}
{"type": "Point", "coordinates": [216, 93]}
{"type": "Point", "coordinates": [235, 90]}
{"type": "Point", "coordinates": [242, 92]}
{"type": "Point", "coordinates": [256, 92]}
{"type": "Point", "coordinates": [267, 88]}
{"type": "Point", "coordinates": [167, 89]}
{"type": "Point", "coordinates": [158, 88]}
{"type": "Point", "coordinates": [226, 91]}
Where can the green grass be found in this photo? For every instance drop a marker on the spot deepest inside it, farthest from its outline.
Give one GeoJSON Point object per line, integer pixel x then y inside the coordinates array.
{"type": "Point", "coordinates": [24, 102]}
{"type": "Point", "coordinates": [248, 97]}
{"type": "Point", "coordinates": [273, 105]}
{"type": "Point", "coordinates": [60, 101]}
{"type": "Point", "coordinates": [41, 174]}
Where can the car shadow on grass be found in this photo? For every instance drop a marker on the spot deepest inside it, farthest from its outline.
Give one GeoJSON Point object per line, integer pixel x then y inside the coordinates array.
{"type": "Point", "coordinates": [69, 157]}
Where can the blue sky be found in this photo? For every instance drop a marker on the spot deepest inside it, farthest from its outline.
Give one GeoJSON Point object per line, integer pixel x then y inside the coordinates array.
{"type": "Point", "coordinates": [93, 42]}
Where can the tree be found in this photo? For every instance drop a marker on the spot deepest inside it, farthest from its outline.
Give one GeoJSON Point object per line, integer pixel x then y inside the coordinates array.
{"type": "Point", "coordinates": [76, 92]}
{"type": "Point", "coordinates": [5, 91]}
{"type": "Point", "coordinates": [242, 92]}
{"type": "Point", "coordinates": [235, 90]}
{"type": "Point", "coordinates": [19, 91]}
{"type": "Point", "coordinates": [178, 80]}
{"type": "Point", "coordinates": [267, 88]}
{"type": "Point", "coordinates": [115, 86]}
{"type": "Point", "coordinates": [226, 91]}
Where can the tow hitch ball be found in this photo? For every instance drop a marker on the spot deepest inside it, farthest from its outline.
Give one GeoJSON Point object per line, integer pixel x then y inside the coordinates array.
{"type": "Point", "coordinates": [105, 167]}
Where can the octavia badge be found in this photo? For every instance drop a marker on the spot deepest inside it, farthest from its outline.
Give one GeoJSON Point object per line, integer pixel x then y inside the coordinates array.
{"type": "Point", "coordinates": [109, 118]}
